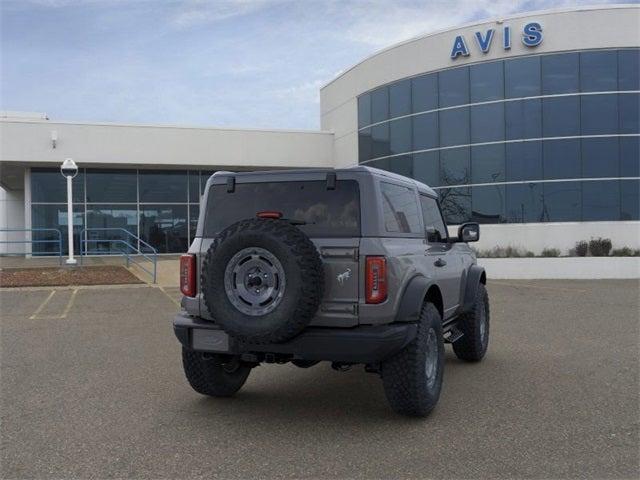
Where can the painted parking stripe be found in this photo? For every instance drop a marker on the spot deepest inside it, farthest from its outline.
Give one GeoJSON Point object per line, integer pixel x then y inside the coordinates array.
{"type": "Point", "coordinates": [42, 305]}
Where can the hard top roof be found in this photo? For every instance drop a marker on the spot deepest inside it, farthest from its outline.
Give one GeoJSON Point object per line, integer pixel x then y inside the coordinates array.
{"type": "Point", "coordinates": [356, 169]}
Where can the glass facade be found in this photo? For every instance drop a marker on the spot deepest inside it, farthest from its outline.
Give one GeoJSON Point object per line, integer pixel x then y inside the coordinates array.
{"type": "Point", "coordinates": [159, 206]}
{"type": "Point", "coordinates": [545, 138]}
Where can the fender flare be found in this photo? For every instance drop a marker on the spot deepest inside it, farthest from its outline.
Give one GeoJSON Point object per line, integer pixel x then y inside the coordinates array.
{"type": "Point", "coordinates": [474, 277]}
{"type": "Point", "coordinates": [410, 304]}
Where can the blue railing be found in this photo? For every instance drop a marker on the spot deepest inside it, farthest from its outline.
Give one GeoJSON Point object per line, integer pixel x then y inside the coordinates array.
{"type": "Point", "coordinates": [31, 241]}
{"type": "Point", "coordinates": [132, 248]}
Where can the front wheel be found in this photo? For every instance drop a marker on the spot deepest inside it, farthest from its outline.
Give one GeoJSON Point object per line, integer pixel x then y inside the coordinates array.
{"type": "Point", "coordinates": [215, 376]}
{"type": "Point", "coordinates": [475, 328]}
{"type": "Point", "coordinates": [412, 378]}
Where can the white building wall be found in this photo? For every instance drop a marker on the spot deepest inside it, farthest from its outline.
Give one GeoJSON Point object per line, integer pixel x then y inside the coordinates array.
{"type": "Point", "coordinates": [561, 235]}
{"type": "Point", "coordinates": [11, 217]}
{"type": "Point", "coordinates": [29, 141]}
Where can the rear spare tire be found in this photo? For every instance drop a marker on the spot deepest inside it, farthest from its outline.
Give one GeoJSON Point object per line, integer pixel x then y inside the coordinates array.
{"type": "Point", "coordinates": [262, 280]}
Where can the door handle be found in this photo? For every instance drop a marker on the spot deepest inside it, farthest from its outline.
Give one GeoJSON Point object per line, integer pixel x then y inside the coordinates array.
{"type": "Point", "coordinates": [439, 263]}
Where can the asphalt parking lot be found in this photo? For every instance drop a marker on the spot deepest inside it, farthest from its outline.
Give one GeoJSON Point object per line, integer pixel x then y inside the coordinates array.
{"type": "Point", "coordinates": [92, 387]}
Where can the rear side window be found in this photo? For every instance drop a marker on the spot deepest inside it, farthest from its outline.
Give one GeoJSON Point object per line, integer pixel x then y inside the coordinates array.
{"type": "Point", "coordinates": [321, 212]}
{"type": "Point", "coordinates": [433, 223]}
{"type": "Point", "coordinates": [400, 209]}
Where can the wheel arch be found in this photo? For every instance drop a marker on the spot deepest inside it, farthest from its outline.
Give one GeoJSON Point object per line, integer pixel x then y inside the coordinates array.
{"type": "Point", "coordinates": [419, 290]}
{"type": "Point", "coordinates": [475, 277]}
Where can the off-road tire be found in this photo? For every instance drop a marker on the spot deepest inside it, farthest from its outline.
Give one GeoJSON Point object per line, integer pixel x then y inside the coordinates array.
{"type": "Point", "coordinates": [303, 272]}
{"type": "Point", "coordinates": [404, 375]}
{"type": "Point", "coordinates": [472, 346]}
{"type": "Point", "coordinates": [209, 376]}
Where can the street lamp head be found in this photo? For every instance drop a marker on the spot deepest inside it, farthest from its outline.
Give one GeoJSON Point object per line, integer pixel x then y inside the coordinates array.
{"type": "Point", "coordinates": [69, 169]}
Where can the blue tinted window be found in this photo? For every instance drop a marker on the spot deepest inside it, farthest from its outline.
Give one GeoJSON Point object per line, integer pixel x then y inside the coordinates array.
{"type": "Point", "coordinates": [600, 157]}
{"type": "Point", "coordinates": [165, 227]}
{"type": "Point", "coordinates": [382, 164]}
{"type": "Point", "coordinates": [49, 186]}
{"type": "Point", "coordinates": [561, 116]}
{"type": "Point", "coordinates": [561, 159]}
{"type": "Point", "coordinates": [630, 156]}
{"type": "Point", "coordinates": [522, 77]}
{"type": "Point", "coordinates": [454, 166]}
{"type": "Point", "coordinates": [454, 127]}
{"type": "Point", "coordinates": [380, 140]}
{"type": "Point", "coordinates": [425, 131]}
{"type": "Point", "coordinates": [365, 145]}
{"type": "Point", "coordinates": [629, 112]}
{"type": "Point", "coordinates": [487, 123]}
{"type": "Point", "coordinates": [194, 186]}
{"type": "Point", "coordinates": [599, 114]}
{"type": "Point", "coordinates": [562, 201]}
{"type": "Point", "coordinates": [599, 71]}
{"type": "Point", "coordinates": [379, 105]}
{"type": "Point", "coordinates": [600, 201]}
{"type": "Point", "coordinates": [424, 92]}
{"type": "Point", "coordinates": [163, 186]}
{"type": "Point", "coordinates": [194, 211]}
{"type": "Point", "coordinates": [112, 216]}
{"type": "Point", "coordinates": [630, 200]}
{"type": "Point", "coordinates": [487, 164]}
{"type": "Point", "coordinates": [629, 70]}
{"type": "Point", "coordinates": [560, 73]}
{"type": "Point", "coordinates": [455, 204]}
{"type": "Point", "coordinates": [426, 168]}
{"type": "Point", "coordinates": [402, 165]}
{"type": "Point", "coordinates": [364, 110]}
{"type": "Point", "coordinates": [112, 186]}
{"type": "Point", "coordinates": [523, 161]}
{"type": "Point", "coordinates": [400, 135]}
{"type": "Point", "coordinates": [454, 87]}
{"type": "Point", "coordinates": [54, 216]}
{"type": "Point", "coordinates": [487, 81]}
{"type": "Point", "coordinates": [400, 99]}
{"type": "Point", "coordinates": [524, 203]}
{"type": "Point", "coordinates": [523, 119]}
{"type": "Point", "coordinates": [487, 204]}
{"type": "Point", "coordinates": [204, 177]}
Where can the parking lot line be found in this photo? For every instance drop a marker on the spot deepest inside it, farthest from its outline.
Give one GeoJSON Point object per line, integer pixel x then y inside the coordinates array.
{"type": "Point", "coordinates": [169, 296]}
{"type": "Point", "coordinates": [42, 305]}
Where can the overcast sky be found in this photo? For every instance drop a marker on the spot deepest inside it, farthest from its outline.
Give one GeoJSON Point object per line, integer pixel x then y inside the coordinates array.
{"type": "Point", "coordinates": [243, 63]}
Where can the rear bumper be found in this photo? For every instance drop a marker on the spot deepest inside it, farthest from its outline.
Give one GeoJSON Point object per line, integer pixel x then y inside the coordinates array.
{"type": "Point", "coordinates": [362, 344]}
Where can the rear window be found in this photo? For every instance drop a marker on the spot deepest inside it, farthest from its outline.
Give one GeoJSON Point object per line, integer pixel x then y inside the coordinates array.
{"type": "Point", "coordinates": [325, 213]}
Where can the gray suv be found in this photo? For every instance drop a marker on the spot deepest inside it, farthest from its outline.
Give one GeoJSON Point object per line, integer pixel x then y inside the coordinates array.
{"type": "Point", "coordinates": [351, 266]}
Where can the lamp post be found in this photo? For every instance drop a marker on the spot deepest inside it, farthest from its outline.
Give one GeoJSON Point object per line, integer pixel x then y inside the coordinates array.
{"type": "Point", "coordinates": [69, 169]}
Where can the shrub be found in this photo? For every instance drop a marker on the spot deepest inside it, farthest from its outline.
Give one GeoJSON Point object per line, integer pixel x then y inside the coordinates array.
{"type": "Point", "coordinates": [600, 247]}
{"type": "Point", "coordinates": [625, 252]}
{"type": "Point", "coordinates": [550, 252]}
{"type": "Point", "coordinates": [505, 252]}
{"type": "Point", "coordinates": [581, 249]}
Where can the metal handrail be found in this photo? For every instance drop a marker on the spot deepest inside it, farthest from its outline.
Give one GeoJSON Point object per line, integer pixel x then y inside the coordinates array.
{"type": "Point", "coordinates": [151, 256]}
{"type": "Point", "coordinates": [32, 241]}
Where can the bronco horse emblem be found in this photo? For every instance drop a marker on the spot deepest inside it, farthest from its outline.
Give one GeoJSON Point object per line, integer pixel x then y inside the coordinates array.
{"type": "Point", "coordinates": [342, 277]}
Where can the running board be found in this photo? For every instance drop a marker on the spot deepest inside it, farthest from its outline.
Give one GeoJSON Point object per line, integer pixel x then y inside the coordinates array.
{"type": "Point", "coordinates": [453, 334]}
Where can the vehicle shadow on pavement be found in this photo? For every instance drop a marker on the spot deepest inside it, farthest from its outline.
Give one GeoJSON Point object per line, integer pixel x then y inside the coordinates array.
{"type": "Point", "coordinates": [282, 392]}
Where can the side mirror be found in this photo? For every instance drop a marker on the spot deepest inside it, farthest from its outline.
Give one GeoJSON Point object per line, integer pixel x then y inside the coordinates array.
{"type": "Point", "coordinates": [469, 232]}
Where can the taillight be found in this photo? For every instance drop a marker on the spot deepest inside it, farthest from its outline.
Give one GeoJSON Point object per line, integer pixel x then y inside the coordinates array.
{"type": "Point", "coordinates": [376, 280]}
{"type": "Point", "coordinates": [188, 275]}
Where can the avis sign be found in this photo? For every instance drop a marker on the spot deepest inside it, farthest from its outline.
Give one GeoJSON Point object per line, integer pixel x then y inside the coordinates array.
{"type": "Point", "coordinates": [531, 37]}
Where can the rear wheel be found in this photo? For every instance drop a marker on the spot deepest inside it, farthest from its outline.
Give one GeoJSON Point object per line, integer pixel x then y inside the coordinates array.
{"type": "Point", "coordinates": [216, 375]}
{"type": "Point", "coordinates": [472, 347]}
{"type": "Point", "coordinates": [412, 378]}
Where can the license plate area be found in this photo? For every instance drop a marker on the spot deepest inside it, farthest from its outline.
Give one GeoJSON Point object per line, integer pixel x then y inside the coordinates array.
{"type": "Point", "coordinates": [209, 340]}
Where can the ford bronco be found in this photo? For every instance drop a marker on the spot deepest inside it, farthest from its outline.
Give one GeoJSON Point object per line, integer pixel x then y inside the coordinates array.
{"type": "Point", "coordinates": [351, 266]}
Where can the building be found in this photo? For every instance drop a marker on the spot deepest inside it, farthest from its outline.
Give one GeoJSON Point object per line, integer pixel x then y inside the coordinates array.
{"type": "Point", "coordinates": [527, 124]}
